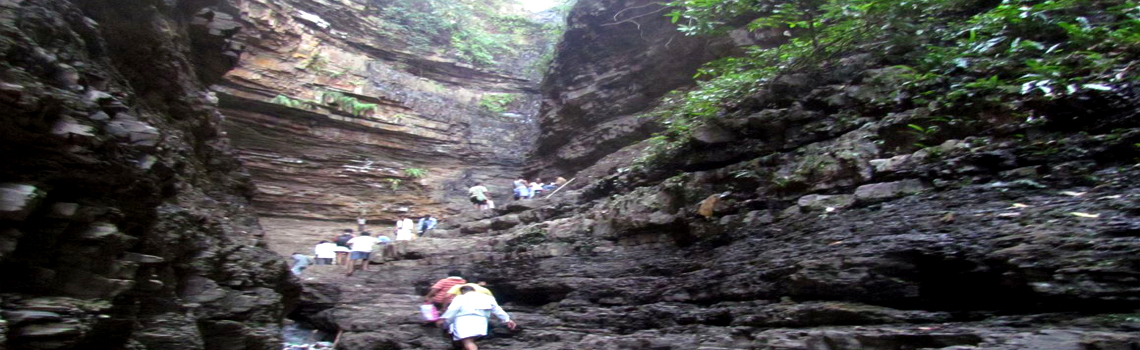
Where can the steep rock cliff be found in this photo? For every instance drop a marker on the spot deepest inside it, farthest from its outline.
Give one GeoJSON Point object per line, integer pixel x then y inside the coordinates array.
{"type": "Point", "coordinates": [125, 215]}
{"type": "Point", "coordinates": [615, 61]}
{"type": "Point", "coordinates": [320, 160]}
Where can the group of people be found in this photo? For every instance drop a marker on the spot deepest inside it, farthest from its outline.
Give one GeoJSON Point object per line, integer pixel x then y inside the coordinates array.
{"type": "Point", "coordinates": [347, 249]}
{"type": "Point", "coordinates": [481, 198]}
{"type": "Point", "coordinates": [467, 307]}
{"type": "Point", "coordinates": [529, 190]}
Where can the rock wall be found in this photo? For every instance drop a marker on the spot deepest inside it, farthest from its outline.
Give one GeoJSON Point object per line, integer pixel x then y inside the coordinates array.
{"type": "Point", "coordinates": [617, 58]}
{"type": "Point", "coordinates": [320, 162]}
{"type": "Point", "coordinates": [808, 216]}
{"type": "Point", "coordinates": [124, 214]}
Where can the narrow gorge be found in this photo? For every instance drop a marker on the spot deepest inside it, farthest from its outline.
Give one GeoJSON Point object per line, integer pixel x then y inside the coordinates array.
{"type": "Point", "coordinates": [817, 175]}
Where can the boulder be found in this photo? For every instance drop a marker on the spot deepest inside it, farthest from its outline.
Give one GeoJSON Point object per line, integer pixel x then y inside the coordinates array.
{"type": "Point", "coordinates": [481, 226]}
{"type": "Point", "coordinates": [18, 200]}
{"type": "Point", "coordinates": [713, 135]}
{"type": "Point", "coordinates": [889, 190]}
{"type": "Point", "coordinates": [505, 222]}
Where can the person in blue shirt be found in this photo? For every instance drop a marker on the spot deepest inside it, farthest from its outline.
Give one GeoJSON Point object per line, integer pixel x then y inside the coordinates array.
{"type": "Point", "coordinates": [425, 224]}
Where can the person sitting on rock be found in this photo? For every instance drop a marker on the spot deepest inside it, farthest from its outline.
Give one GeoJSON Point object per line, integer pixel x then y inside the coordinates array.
{"type": "Point", "coordinates": [361, 250]}
{"type": "Point", "coordinates": [521, 189]}
{"type": "Point", "coordinates": [467, 317]}
{"type": "Point", "coordinates": [536, 188]}
{"type": "Point", "coordinates": [325, 252]}
{"type": "Point", "coordinates": [438, 295]}
{"type": "Point", "coordinates": [300, 262]}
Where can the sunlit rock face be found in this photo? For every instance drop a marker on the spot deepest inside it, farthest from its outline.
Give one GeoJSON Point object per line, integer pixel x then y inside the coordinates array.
{"type": "Point", "coordinates": [124, 215]}
{"type": "Point", "coordinates": [422, 110]}
{"type": "Point", "coordinates": [617, 59]}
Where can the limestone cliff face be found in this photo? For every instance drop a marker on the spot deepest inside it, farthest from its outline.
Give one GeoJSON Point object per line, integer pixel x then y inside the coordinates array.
{"type": "Point", "coordinates": [617, 58]}
{"type": "Point", "coordinates": [124, 215]}
{"type": "Point", "coordinates": [321, 161]}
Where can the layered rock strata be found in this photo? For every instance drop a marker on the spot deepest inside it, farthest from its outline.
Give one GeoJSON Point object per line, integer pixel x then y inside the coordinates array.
{"type": "Point", "coordinates": [616, 60]}
{"type": "Point", "coordinates": [319, 160]}
{"type": "Point", "coordinates": [124, 215]}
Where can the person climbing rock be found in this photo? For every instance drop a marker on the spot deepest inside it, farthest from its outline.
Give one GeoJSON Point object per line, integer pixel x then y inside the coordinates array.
{"type": "Point", "coordinates": [438, 295]}
{"type": "Point", "coordinates": [426, 224]}
{"type": "Point", "coordinates": [478, 195]}
{"type": "Point", "coordinates": [480, 286]}
{"type": "Point", "coordinates": [467, 317]}
{"type": "Point", "coordinates": [300, 262]}
{"type": "Point", "coordinates": [387, 249]}
{"type": "Point", "coordinates": [404, 228]}
{"type": "Point", "coordinates": [361, 250]}
{"type": "Point", "coordinates": [325, 252]}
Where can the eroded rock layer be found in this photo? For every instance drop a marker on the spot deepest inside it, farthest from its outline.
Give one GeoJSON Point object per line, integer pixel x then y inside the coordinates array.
{"type": "Point", "coordinates": [321, 160]}
{"type": "Point", "coordinates": [124, 214]}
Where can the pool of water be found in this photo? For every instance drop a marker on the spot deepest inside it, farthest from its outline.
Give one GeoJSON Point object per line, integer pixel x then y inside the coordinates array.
{"type": "Point", "coordinates": [299, 337]}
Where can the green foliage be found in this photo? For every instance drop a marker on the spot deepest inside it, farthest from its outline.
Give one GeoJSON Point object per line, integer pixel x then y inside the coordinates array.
{"type": "Point", "coordinates": [958, 57]}
{"type": "Point", "coordinates": [476, 32]}
{"type": "Point", "coordinates": [293, 103]}
{"type": "Point", "coordinates": [347, 104]}
{"type": "Point", "coordinates": [497, 103]}
{"type": "Point", "coordinates": [394, 184]}
{"type": "Point", "coordinates": [415, 173]}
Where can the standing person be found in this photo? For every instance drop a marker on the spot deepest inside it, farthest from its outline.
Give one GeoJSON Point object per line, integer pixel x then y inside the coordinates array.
{"type": "Point", "coordinates": [300, 262]}
{"type": "Point", "coordinates": [426, 224]}
{"type": "Point", "coordinates": [361, 250]}
{"type": "Point", "coordinates": [437, 294]}
{"type": "Point", "coordinates": [560, 181]}
{"type": "Point", "coordinates": [325, 252]}
{"type": "Point", "coordinates": [360, 222]}
{"type": "Point", "coordinates": [342, 241]}
{"type": "Point", "coordinates": [404, 229]}
{"type": "Point", "coordinates": [478, 195]}
{"type": "Point", "coordinates": [467, 316]}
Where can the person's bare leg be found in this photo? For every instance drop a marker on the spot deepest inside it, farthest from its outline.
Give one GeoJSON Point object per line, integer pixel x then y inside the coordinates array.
{"type": "Point", "coordinates": [469, 344]}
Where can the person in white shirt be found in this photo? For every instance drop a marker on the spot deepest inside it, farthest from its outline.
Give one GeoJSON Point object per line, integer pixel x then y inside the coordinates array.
{"type": "Point", "coordinates": [467, 316]}
{"type": "Point", "coordinates": [325, 252]}
{"type": "Point", "coordinates": [361, 250]}
{"type": "Point", "coordinates": [404, 229]}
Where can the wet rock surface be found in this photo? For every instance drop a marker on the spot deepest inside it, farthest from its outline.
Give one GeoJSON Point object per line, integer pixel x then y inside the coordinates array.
{"type": "Point", "coordinates": [124, 219]}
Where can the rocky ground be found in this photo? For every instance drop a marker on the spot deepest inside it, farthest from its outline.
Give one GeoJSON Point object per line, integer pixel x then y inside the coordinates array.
{"type": "Point", "coordinates": [1007, 264]}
